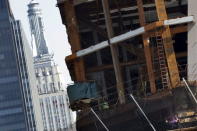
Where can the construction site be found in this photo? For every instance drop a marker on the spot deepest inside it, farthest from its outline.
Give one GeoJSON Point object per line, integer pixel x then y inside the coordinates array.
{"type": "Point", "coordinates": [133, 63]}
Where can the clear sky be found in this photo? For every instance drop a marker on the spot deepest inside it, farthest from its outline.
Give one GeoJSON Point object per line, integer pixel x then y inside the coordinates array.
{"type": "Point", "coordinates": [55, 31]}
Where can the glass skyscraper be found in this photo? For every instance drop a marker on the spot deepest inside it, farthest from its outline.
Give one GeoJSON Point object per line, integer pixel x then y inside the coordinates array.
{"type": "Point", "coordinates": [17, 79]}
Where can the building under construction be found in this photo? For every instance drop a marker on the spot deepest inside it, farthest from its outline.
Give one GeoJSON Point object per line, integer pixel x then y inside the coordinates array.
{"type": "Point", "coordinates": [144, 48]}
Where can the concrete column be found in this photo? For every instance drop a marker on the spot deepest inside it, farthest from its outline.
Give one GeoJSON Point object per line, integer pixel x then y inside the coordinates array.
{"type": "Point", "coordinates": [192, 42]}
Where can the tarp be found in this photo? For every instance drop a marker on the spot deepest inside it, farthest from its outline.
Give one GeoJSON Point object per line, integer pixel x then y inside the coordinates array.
{"type": "Point", "coordinates": [82, 90]}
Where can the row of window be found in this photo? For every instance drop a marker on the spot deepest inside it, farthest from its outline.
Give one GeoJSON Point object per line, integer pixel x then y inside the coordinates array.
{"type": "Point", "coordinates": [53, 110]}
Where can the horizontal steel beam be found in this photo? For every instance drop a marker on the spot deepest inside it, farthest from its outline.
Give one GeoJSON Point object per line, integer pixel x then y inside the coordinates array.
{"type": "Point", "coordinates": [130, 34]}
{"type": "Point", "coordinates": [178, 21]}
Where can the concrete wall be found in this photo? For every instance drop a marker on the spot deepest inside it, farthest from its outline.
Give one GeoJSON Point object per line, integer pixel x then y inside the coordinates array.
{"type": "Point", "coordinates": [192, 42]}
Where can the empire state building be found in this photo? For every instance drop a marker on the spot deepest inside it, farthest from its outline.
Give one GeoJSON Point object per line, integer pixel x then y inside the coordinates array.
{"type": "Point", "coordinates": [53, 99]}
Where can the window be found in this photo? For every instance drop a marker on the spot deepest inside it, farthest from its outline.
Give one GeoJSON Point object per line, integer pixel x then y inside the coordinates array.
{"type": "Point", "coordinates": [2, 57]}
{"type": "Point", "coordinates": [52, 87]}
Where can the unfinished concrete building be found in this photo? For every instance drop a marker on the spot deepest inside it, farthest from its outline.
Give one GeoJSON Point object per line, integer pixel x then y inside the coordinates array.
{"type": "Point", "coordinates": [139, 47]}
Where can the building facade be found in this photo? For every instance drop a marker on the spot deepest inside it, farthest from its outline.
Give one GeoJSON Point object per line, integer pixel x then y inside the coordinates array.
{"type": "Point", "coordinates": [56, 115]}
{"type": "Point", "coordinates": [17, 92]}
{"type": "Point", "coordinates": [53, 99]}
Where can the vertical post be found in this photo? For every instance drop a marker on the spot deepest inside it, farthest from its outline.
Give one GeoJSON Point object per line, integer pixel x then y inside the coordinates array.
{"type": "Point", "coordinates": [147, 51]}
{"type": "Point", "coordinates": [74, 38]}
{"type": "Point", "coordinates": [192, 42]}
{"type": "Point", "coordinates": [168, 45]}
{"type": "Point", "coordinates": [116, 64]}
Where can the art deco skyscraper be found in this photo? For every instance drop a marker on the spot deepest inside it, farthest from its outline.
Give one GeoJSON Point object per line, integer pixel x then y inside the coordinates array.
{"type": "Point", "coordinates": [37, 28]}
{"type": "Point", "coordinates": [53, 99]}
{"type": "Point", "coordinates": [17, 89]}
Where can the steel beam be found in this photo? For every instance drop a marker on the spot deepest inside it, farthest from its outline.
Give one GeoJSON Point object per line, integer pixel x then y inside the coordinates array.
{"type": "Point", "coordinates": [128, 35]}
{"type": "Point", "coordinates": [74, 39]}
{"type": "Point", "coordinates": [173, 30]}
{"type": "Point", "coordinates": [125, 64]}
{"type": "Point", "coordinates": [147, 50]}
{"type": "Point", "coordinates": [114, 53]}
{"type": "Point", "coordinates": [177, 21]}
{"type": "Point", "coordinates": [167, 41]}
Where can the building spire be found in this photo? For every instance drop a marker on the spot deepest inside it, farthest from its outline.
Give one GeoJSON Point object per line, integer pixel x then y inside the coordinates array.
{"type": "Point", "coordinates": [37, 28]}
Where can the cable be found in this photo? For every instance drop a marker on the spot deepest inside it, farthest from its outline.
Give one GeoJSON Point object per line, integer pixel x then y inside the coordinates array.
{"type": "Point", "coordinates": [190, 91]}
{"type": "Point", "coordinates": [99, 119]}
{"type": "Point", "coordinates": [154, 129]}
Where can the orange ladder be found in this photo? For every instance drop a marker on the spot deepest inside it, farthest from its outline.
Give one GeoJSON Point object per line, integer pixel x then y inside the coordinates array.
{"type": "Point", "coordinates": [162, 63]}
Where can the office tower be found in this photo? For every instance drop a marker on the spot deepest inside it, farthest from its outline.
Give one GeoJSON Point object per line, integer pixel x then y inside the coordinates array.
{"type": "Point", "coordinates": [53, 99]}
{"type": "Point", "coordinates": [17, 90]}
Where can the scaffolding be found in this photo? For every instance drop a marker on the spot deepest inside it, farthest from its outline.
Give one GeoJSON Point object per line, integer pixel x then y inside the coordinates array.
{"type": "Point", "coordinates": [128, 47]}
